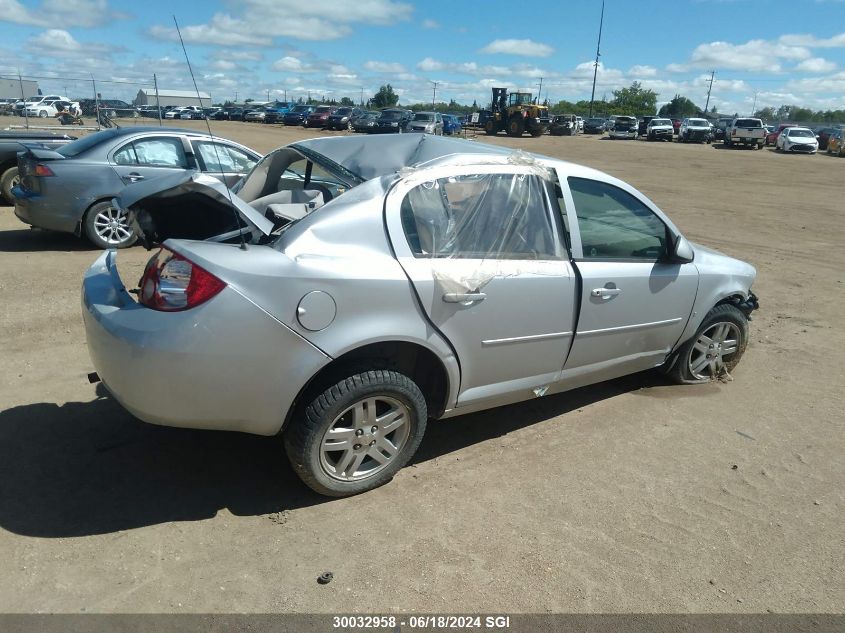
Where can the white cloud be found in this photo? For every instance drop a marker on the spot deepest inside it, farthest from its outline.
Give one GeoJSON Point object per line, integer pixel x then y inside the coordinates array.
{"type": "Point", "coordinates": [60, 43]}
{"type": "Point", "coordinates": [260, 22]}
{"type": "Point", "coordinates": [642, 71]}
{"type": "Point", "coordinates": [430, 24]}
{"type": "Point", "coordinates": [526, 48]}
{"type": "Point", "coordinates": [222, 64]}
{"type": "Point", "coordinates": [811, 41]}
{"type": "Point", "coordinates": [384, 67]}
{"type": "Point", "coordinates": [755, 55]}
{"type": "Point", "coordinates": [67, 13]}
{"type": "Point", "coordinates": [816, 65]}
{"type": "Point", "coordinates": [290, 64]}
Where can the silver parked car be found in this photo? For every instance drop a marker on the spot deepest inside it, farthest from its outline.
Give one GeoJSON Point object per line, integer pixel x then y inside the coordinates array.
{"type": "Point", "coordinates": [371, 284]}
{"type": "Point", "coordinates": [426, 122]}
{"type": "Point", "coordinates": [70, 189]}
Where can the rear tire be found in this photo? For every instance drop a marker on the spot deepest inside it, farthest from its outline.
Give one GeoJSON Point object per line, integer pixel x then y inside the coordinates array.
{"type": "Point", "coordinates": [9, 179]}
{"type": "Point", "coordinates": [357, 433]}
{"type": "Point", "coordinates": [106, 227]}
{"type": "Point", "coordinates": [715, 349]}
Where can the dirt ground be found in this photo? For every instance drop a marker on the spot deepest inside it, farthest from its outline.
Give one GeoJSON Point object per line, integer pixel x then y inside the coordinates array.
{"type": "Point", "coordinates": [629, 496]}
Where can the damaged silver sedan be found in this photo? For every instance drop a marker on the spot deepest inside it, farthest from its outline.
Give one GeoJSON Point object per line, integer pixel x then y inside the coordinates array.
{"type": "Point", "coordinates": [350, 289]}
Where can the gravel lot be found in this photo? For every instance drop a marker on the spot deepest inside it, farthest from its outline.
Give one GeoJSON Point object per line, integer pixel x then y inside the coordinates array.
{"type": "Point", "coordinates": [629, 496]}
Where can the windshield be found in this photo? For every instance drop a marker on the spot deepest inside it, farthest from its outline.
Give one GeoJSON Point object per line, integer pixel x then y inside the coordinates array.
{"type": "Point", "coordinates": [391, 114]}
{"type": "Point", "coordinates": [324, 109]}
{"type": "Point", "coordinates": [423, 116]}
{"type": "Point", "coordinates": [698, 123]}
{"type": "Point", "coordinates": [343, 111]}
{"type": "Point", "coordinates": [793, 132]}
{"type": "Point", "coordinates": [660, 122]}
{"type": "Point", "coordinates": [748, 123]}
{"type": "Point", "coordinates": [75, 148]}
{"type": "Point", "coordinates": [595, 121]}
{"type": "Point", "coordinates": [301, 108]}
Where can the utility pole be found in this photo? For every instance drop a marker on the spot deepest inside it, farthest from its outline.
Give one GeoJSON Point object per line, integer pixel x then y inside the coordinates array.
{"type": "Point", "coordinates": [433, 94]}
{"type": "Point", "coordinates": [754, 107]}
{"type": "Point", "coordinates": [362, 97]}
{"type": "Point", "coordinates": [540, 91]}
{"type": "Point", "coordinates": [236, 96]}
{"type": "Point", "coordinates": [706, 105]}
{"type": "Point", "coordinates": [268, 94]}
{"type": "Point", "coordinates": [596, 65]}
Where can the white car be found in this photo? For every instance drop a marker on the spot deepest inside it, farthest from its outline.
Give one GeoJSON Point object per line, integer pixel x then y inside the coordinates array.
{"type": "Point", "coordinates": [48, 107]}
{"type": "Point", "coordinates": [797, 139]}
{"type": "Point", "coordinates": [660, 130]}
{"type": "Point", "coordinates": [36, 105]}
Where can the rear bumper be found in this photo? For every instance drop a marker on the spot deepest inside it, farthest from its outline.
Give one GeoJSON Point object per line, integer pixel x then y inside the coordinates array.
{"type": "Point", "coordinates": [39, 212]}
{"type": "Point", "coordinates": [225, 365]}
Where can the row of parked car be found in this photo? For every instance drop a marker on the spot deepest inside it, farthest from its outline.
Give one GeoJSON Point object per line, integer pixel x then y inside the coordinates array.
{"type": "Point", "coordinates": [352, 118]}
{"type": "Point", "coordinates": [732, 131]}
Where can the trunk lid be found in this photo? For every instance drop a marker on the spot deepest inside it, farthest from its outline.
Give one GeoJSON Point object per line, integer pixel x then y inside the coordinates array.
{"type": "Point", "coordinates": [194, 206]}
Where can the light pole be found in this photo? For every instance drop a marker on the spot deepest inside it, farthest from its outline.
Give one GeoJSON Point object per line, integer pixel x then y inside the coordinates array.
{"type": "Point", "coordinates": [433, 94]}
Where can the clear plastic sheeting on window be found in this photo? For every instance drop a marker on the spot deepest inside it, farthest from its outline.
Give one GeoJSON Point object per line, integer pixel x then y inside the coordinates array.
{"type": "Point", "coordinates": [480, 216]}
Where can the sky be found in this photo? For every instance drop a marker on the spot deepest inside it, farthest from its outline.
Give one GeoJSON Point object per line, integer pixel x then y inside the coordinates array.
{"type": "Point", "coordinates": [764, 53]}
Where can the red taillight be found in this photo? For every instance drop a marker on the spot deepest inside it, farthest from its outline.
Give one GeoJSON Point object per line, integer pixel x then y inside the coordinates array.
{"type": "Point", "coordinates": [43, 170]}
{"type": "Point", "coordinates": [172, 283]}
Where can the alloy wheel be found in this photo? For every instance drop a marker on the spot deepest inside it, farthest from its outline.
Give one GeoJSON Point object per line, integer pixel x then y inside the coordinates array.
{"type": "Point", "coordinates": [713, 349]}
{"type": "Point", "coordinates": [112, 225]}
{"type": "Point", "coordinates": [365, 438]}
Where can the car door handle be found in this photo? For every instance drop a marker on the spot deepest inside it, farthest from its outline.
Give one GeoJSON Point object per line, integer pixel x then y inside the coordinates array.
{"type": "Point", "coordinates": [605, 293]}
{"type": "Point", "coordinates": [463, 297]}
{"type": "Point", "coordinates": [134, 177]}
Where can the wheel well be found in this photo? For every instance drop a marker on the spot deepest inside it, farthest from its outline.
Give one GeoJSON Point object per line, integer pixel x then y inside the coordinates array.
{"type": "Point", "coordinates": [79, 224]}
{"type": "Point", "coordinates": [415, 361]}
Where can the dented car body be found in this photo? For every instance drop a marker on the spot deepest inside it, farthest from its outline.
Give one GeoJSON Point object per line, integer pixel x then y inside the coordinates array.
{"type": "Point", "coordinates": [358, 286]}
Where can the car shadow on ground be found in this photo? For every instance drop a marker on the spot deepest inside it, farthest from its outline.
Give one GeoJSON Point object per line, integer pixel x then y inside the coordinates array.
{"type": "Point", "coordinates": [86, 468]}
{"type": "Point", "coordinates": [26, 240]}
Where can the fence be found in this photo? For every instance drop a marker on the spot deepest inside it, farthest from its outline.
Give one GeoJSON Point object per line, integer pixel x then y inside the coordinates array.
{"type": "Point", "coordinates": [111, 97]}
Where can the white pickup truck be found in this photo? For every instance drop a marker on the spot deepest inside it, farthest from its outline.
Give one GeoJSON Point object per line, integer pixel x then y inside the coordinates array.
{"type": "Point", "coordinates": [745, 132]}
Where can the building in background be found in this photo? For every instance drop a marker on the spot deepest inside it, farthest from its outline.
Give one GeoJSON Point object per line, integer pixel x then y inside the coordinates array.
{"type": "Point", "coordinates": [10, 88]}
{"type": "Point", "coordinates": [147, 96]}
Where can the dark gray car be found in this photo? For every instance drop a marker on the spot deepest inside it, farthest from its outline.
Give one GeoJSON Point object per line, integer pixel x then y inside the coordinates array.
{"type": "Point", "coordinates": [71, 189]}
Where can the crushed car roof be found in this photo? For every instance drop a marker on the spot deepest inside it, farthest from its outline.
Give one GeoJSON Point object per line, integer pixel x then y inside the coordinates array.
{"type": "Point", "coordinates": [371, 157]}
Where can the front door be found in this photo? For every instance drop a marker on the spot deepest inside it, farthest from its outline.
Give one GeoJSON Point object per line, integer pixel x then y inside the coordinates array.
{"type": "Point", "coordinates": [634, 302]}
{"type": "Point", "coordinates": [482, 251]}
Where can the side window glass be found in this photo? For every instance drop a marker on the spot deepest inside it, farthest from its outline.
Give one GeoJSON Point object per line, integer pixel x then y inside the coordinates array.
{"type": "Point", "coordinates": [615, 225]}
{"type": "Point", "coordinates": [125, 155]}
{"type": "Point", "coordinates": [497, 216]}
{"type": "Point", "coordinates": [160, 152]}
{"type": "Point", "coordinates": [221, 158]}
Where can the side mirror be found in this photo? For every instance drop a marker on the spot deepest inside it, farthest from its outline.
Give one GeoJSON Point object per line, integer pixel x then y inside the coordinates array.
{"type": "Point", "coordinates": [682, 252]}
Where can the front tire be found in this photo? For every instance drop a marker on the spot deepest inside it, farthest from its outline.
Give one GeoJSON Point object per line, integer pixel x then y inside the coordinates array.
{"type": "Point", "coordinates": [108, 227]}
{"type": "Point", "coordinates": [516, 126]}
{"type": "Point", "coordinates": [714, 350]}
{"type": "Point", "coordinates": [357, 433]}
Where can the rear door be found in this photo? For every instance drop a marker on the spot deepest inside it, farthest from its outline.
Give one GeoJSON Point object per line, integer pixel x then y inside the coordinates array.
{"type": "Point", "coordinates": [634, 303]}
{"type": "Point", "coordinates": [481, 247]}
{"type": "Point", "coordinates": [149, 157]}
